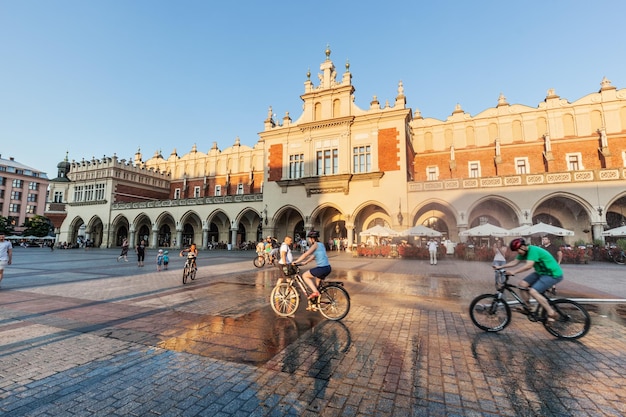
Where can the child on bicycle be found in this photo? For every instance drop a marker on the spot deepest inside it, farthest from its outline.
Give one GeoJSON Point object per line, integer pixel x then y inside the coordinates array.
{"type": "Point", "coordinates": [316, 251]}
{"type": "Point", "coordinates": [192, 252]}
{"type": "Point", "coordinates": [547, 272]}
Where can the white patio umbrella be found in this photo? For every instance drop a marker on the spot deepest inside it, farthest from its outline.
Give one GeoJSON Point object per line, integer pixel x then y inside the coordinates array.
{"type": "Point", "coordinates": [486, 229]}
{"type": "Point", "coordinates": [379, 231]}
{"type": "Point", "coordinates": [618, 231]}
{"type": "Point", "coordinates": [421, 230]}
{"type": "Point", "coordinates": [540, 229]}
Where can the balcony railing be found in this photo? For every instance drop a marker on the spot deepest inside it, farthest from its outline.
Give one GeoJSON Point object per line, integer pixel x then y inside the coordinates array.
{"type": "Point", "coordinates": [548, 178]}
{"type": "Point", "coordinates": [237, 198]}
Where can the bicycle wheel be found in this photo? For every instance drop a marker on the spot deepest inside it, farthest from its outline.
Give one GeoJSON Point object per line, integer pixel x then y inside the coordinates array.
{"type": "Point", "coordinates": [334, 302]}
{"type": "Point", "coordinates": [284, 300]}
{"type": "Point", "coordinates": [490, 313]}
{"type": "Point", "coordinates": [192, 273]}
{"type": "Point", "coordinates": [185, 274]}
{"type": "Point", "coordinates": [573, 321]}
{"type": "Point", "coordinates": [619, 258]}
{"type": "Point", "coordinates": [259, 261]}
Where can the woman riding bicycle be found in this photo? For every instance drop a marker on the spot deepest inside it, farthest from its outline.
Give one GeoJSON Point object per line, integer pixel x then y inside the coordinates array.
{"type": "Point", "coordinates": [192, 252]}
{"type": "Point", "coordinates": [547, 272]}
{"type": "Point", "coordinates": [322, 268]}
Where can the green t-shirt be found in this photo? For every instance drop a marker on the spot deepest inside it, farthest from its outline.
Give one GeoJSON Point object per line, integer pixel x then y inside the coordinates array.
{"type": "Point", "coordinates": [544, 262]}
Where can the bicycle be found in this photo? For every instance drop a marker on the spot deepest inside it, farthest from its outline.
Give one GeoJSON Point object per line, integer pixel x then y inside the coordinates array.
{"type": "Point", "coordinates": [492, 312]}
{"type": "Point", "coordinates": [616, 255]}
{"type": "Point", "coordinates": [189, 270]}
{"type": "Point", "coordinates": [333, 301]}
{"type": "Point", "coordinates": [261, 259]}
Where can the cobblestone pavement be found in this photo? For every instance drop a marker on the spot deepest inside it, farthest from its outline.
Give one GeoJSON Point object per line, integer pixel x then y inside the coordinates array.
{"type": "Point", "coordinates": [84, 335]}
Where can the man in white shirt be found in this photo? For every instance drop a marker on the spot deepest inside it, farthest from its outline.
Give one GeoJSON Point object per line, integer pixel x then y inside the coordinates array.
{"type": "Point", "coordinates": [6, 254]}
{"type": "Point", "coordinates": [432, 250]}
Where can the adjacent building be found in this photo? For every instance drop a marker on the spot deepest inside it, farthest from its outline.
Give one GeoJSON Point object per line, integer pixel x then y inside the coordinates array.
{"type": "Point", "coordinates": [22, 192]}
{"type": "Point", "coordinates": [341, 169]}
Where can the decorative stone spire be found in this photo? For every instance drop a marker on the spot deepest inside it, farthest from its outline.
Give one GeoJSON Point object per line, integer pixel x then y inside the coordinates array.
{"type": "Point", "coordinates": [502, 101]}
{"type": "Point", "coordinates": [400, 99]}
{"type": "Point", "coordinates": [606, 85]}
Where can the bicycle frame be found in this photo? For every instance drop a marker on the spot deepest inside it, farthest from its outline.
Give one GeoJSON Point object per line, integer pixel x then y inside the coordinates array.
{"type": "Point", "coordinates": [492, 312]}
{"type": "Point", "coordinates": [333, 301]}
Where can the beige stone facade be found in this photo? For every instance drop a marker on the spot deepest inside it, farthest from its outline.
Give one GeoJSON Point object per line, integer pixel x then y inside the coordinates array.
{"type": "Point", "coordinates": [341, 169]}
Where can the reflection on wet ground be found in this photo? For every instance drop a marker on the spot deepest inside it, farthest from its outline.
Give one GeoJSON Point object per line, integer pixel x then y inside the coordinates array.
{"type": "Point", "coordinates": [232, 320]}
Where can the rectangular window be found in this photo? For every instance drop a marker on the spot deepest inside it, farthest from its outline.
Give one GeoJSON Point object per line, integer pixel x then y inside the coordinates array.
{"type": "Point", "coordinates": [432, 173]}
{"type": "Point", "coordinates": [328, 161]}
{"type": "Point", "coordinates": [196, 192]}
{"type": "Point", "coordinates": [17, 183]}
{"type": "Point", "coordinates": [296, 166]}
{"type": "Point", "coordinates": [521, 166]}
{"type": "Point", "coordinates": [89, 192]}
{"type": "Point", "coordinates": [239, 189]}
{"type": "Point", "coordinates": [362, 159]}
{"type": "Point", "coordinates": [218, 190]}
{"type": "Point", "coordinates": [58, 196]}
{"type": "Point", "coordinates": [78, 193]}
{"type": "Point", "coordinates": [33, 185]}
{"type": "Point", "coordinates": [474, 169]}
{"type": "Point", "coordinates": [1, 193]}
{"type": "Point", "coordinates": [16, 195]}
{"type": "Point", "coordinates": [3, 181]}
{"type": "Point", "coordinates": [14, 208]}
{"type": "Point", "coordinates": [177, 194]}
{"type": "Point", "coordinates": [99, 192]}
{"type": "Point", "coordinates": [31, 209]}
{"type": "Point", "coordinates": [574, 161]}
{"type": "Point", "coordinates": [32, 198]}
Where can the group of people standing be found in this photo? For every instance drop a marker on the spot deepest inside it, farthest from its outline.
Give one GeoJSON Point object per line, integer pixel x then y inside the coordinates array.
{"type": "Point", "coordinates": [162, 259]}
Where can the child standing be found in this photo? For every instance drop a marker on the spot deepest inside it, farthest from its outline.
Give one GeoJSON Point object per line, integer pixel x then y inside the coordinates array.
{"type": "Point", "coordinates": [159, 259]}
{"type": "Point", "coordinates": [166, 259]}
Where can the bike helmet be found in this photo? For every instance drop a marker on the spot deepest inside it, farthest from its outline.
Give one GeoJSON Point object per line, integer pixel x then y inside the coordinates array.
{"type": "Point", "coordinates": [314, 234]}
{"type": "Point", "coordinates": [516, 243]}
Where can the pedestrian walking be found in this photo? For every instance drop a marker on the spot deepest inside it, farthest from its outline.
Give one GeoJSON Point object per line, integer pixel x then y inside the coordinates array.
{"type": "Point", "coordinates": [124, 254]}
{"type": "Point", "coordinates": [140, 250]}
{"type": "Point", "coordinates": [159, 259]}
{"type": "Point", "coordinates": [6, 254]}
{"type": "Point", "coordinates": [166, 259]}
{"type": "Point", "coordinates": [432, 250]}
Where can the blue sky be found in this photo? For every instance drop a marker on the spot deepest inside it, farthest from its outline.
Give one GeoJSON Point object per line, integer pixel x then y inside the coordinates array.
{"type": "Point", "coordinates": [101, 77]}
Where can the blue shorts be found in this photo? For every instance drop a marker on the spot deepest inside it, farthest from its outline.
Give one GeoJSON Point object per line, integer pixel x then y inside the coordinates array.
{"type": "Point", "coordinates": [320, 272]}
{"type": "Point", "coordinates": [542, 283]}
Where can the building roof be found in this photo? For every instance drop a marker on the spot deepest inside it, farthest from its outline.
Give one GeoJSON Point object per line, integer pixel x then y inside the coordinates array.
{"type": "Point", "coordinates": [12, 163]}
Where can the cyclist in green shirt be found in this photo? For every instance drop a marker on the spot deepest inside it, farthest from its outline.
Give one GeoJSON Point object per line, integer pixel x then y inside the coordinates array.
{"type": "Point", "coordinates": [547, 272]}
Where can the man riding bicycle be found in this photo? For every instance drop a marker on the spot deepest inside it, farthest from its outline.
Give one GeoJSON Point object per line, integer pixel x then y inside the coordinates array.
{"type": "Point", "coordinates": [192, 253]}
{"type": "Point", "coordinates": [316, 251]}
{"type": "Point", "coordinates": [547, 272]}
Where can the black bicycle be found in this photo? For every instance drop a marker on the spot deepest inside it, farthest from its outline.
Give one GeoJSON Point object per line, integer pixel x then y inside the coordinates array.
{"type": "Point", "coordinates": [616, 255]}
{"type": "Point", "coordinates": [492, 312]}
{"type": "Point", "coordinates": [333, 301]}
{"type": "Point", "coordinates": [189, 270]}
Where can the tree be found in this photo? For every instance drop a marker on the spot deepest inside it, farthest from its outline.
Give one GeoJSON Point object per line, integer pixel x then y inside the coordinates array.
{"type": "Point", "coordinates": [5, 226]}
{"type": "Point", "coordinates": [37, 226]}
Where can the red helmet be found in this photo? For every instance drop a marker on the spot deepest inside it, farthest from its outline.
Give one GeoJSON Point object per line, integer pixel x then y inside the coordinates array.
{"type": "Point", "coordinates": [516, 243]}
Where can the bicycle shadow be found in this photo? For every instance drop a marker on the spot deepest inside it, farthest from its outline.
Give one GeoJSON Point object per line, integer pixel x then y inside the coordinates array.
{"type": "Point", "coordinates": [530, 372]}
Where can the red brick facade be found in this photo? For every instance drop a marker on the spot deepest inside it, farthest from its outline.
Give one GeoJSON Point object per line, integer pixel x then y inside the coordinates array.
{"type": "Point", "coordinates": [275, 155]}
{"type": "Point", "coordinates": [388, 150]}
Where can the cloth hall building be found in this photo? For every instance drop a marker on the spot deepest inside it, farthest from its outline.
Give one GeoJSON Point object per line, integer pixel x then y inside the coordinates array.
{"type": "Point", "coordinates": [341, 169]}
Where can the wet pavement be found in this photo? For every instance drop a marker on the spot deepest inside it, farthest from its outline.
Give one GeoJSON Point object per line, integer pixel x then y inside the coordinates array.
{"type": "Point", "coordinates": [81, 334]}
